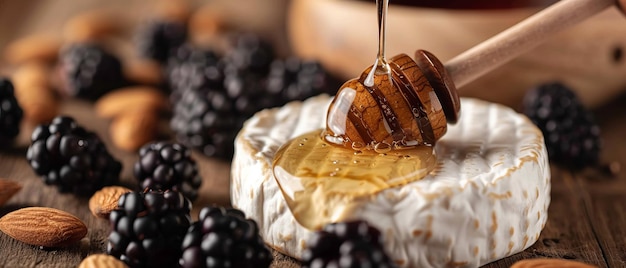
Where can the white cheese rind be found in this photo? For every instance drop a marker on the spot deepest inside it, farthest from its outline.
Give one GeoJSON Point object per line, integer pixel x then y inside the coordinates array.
{"type": "Point", "coordinates": [487, 198]}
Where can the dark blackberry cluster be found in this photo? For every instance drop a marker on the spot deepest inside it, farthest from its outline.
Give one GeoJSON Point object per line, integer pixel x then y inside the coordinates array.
{"type": "Point", "coordinates": [191, 68]}
{"type": "Point", "coordinates": [208, 115]}
{"type": "Point", "coordinates": [346, 244]}
{"type": "Point", "coordinates": [297, 79]}
{"type": "Point", "coordinates": [72, 158]}
{"type": "Point", "coordinates": [250, 53]}
{"type": "Point", "coordinates": [148, 228]}
{"type": "Point", "coordinates": [224, 238]}
{"type": "Point", "coordinates": [158, 39]}
{"type": "Point", "coordinates": [89, 71]}
{"type": "Point", "coordinates": [571, 134]}
{"type": "Point", "coordinates": [10, 112]}
{"type": "Point", "coordinates": [205, 120]}
{"type": "Point", "coordinates": [168, 166]}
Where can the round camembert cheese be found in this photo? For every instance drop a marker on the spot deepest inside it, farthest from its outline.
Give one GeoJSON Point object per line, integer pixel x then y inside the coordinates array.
{"type": "Point", "coordinates": [486, 199]}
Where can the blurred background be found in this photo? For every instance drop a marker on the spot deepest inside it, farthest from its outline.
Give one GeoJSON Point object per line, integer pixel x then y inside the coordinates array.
{"type": "Point", "coordinates": [341, 34]}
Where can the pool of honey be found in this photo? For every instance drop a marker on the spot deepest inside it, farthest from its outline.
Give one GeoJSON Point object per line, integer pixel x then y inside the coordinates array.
{"type": "Point", "coordinates": [322, 182]}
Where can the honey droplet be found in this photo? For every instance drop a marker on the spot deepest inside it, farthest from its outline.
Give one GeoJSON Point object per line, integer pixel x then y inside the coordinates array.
{"type": "Point", "coordinates": [382, 148]}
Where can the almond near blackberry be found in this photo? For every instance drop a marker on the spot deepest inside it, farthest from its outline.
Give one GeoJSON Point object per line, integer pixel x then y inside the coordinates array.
{"type": "Point", "coordinates": [36, 47]}
{"type": "Point", "coordinates": [93, 25]}
{"type": "Point", "coordinates": [132, 129]}
{"type": "Point", "coordinates": [105, 200]}
{"type": "Point", "coordinates": [45, 227]}
{"type": "Point", "coordinates": [34, 93]}
{"type": "Point", "coordinates": [172, 10]}
{"type": "Point", "coordinates": [7, 190]}
{"type": "Point", "coordinates": [101, 261]}
{"type": "Point", "coordinates": [120, 101]}
{"type": "Point", "coordinates": [144, 72]}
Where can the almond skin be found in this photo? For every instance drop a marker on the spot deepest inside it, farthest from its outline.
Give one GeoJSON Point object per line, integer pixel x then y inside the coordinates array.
{"type": "Point", "coordinates": [45, 227]}
{"type": "Point", "coordinates": [101, 261]}
{"type": "Point", "coordinates": [104, 201]}
{"type": "Point", "coordinates": [145, 72]}
{"type": "Point", "coordinates": [131, 130]}
{"type": "Point", "coordinates": [124, 99]}
{"type": "Point", "coordinates": [34, 93]}
{"type": "Point", "coordinates": [550, 263]}
{"type": "Point", "coordinates": [93, 25]}
{"type": "Point", "coordinates": [37, 47]}
{"type": "Point", "coordinates": [7, 190]}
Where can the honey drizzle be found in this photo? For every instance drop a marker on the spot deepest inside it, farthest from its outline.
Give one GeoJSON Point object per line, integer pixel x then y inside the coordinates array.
{"type": "Point", "coordinates": [323, 181]}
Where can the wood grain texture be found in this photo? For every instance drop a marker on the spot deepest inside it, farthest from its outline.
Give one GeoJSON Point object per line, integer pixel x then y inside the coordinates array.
{"type": "Point", "coordinates": [587, 215]}
{"type": "Point", "coordinates": [521, 38]}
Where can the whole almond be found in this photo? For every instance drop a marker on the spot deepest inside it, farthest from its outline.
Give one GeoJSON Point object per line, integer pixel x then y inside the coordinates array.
{"type": "Point", "coordinates": [172, 10]}
{"type": "Point", "coordinates": [32, 74]}
{"type": "Point", "coordinates": [123, 99]}
{"type": "Point", "coordinates": [550, 263]}
{"type": "Point", "coordinates": [104, 201]}
{"type": "Point", "coordinates": [146, 72]}
{"type": "Point", "coordinates": [38, 47]}
{"type": "Point", "coordinates": [33, 92]}
{"type": "Point", "coordinates": [93, 25]}
{"type": "Point", "coordinates": [41, 226]}
{"type": "Point", "coordinates": [39, 108]}
{"type": "Point", "coordinates": [131, 130]}
{"type": "Point", "coordinates": [206, 23]}
{"type": "Point", "coordinates": [7, 190]}
{"type": "Point", "coordinates": [101, 261]}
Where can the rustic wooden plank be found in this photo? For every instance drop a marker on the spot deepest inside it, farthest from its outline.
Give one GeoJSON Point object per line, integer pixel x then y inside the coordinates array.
{"type": "Point", "coordinates": [605, 196]}
{"type": "Point", "coordinates": [563, 237]}
{"type": "Point", "coordinates": [608, 214]}
{"type": "Point", "coordinates": [568, 233]}
{"type": "Point", "coordinates": [13, 166]}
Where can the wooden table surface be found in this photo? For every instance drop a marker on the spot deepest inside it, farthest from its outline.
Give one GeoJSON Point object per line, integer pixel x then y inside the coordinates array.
{"type": "Point", "coordinates": [587, 215]}
{"type": "Point", "coordinates": [586, 220]}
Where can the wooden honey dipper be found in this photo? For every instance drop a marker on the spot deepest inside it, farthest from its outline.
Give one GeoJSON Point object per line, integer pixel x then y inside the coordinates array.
{"type": "Point", "coordinates": [413, 102]}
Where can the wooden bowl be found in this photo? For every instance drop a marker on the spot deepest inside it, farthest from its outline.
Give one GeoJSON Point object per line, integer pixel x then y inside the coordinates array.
{"type": "Point", "coordinates": [342, 34]}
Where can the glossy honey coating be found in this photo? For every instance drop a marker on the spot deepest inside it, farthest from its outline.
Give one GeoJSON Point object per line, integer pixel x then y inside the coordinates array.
{"type": "Point", "coordinates": [406, 106]}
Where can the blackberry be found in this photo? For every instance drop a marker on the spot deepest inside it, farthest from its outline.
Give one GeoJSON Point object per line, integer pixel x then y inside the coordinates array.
{"type": "Point", "coordinates": [571, 134]}
{"type": "Point", "coordinates": [168, 166]}
{"type": "Point", "coordinates": [247, 92]}
{"type": "Point", "coordinates": [10, 112]}
{"type": "Point", "coordinates": [157, 39]}
{"type": "Point", "coordinates": [213, 97]}
{"type": "Point", "coordinates": [346, 244]}
{"type": "Point", "coordinates": [148, 228]}
{"type": "Point", "coordinates": [72, 158]}
{"type": "Point", "coordinates": [297, 79]}
{"type": "Point", "coordinates": [191, 68]}
{"type": "Point", "coordinates": [89, 71]}
{"type": "Point", "coordinates": [206, 120]}
{"type": "Point", "coordinates": [250, 53]}
{"type": "Point", "coordinates": [224, 238]}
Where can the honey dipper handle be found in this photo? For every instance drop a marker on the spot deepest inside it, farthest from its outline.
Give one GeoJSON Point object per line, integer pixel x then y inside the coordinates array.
{"type": "Point", "coordinates": [520, 38]}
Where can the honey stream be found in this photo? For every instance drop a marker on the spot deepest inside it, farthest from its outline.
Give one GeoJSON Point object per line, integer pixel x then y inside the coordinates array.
{"type": "Point", "coordinates": [324, 177]}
